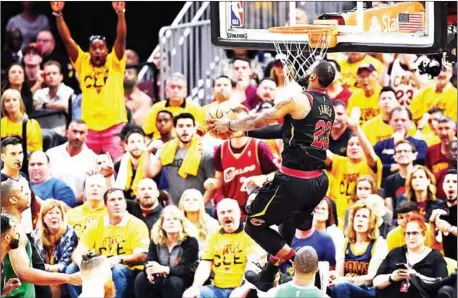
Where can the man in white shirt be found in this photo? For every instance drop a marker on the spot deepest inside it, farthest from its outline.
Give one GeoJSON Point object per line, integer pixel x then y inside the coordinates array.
{"type": "Point", "coordinates": [55, 96]}
{"type": "Point", "coordinates": [71, 161]}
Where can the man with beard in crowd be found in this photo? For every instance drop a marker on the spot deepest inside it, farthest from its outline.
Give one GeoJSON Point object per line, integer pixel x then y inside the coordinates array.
{"type": "Point", "coordinates": [74, 155]}
{"type": "Point", "coordinates": [131, 169]}
{"type": "Point", "coordinates": [147, 206]}
{"type": "Point", "coordinates": [187, 164]}
{"type": "Point", "coordinates": [137, 101]}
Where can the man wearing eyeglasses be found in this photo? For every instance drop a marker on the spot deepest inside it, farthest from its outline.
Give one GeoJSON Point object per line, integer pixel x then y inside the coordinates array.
{"type": "Point", "coordinates": [101, 76]}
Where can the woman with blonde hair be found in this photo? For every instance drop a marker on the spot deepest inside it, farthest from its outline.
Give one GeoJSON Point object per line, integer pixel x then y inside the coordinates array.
{"type": "Point", "coordinates": [364, 251]}
{"type": "Point", "coordinates": [421, 188]}
{"type": "Point", "coordinates": [193, 207]}
{"type": "Point", "coordinates": [365, 186]}
{"type": "Point", "coordinates": [13, 114]}
{"type": "Point", "coordinates": [172, 255]}
{"type": "Point", "coordinates": [55, 239]}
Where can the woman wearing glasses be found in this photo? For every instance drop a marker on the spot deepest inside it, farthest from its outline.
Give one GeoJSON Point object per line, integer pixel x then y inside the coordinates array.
{"type": "Point", "coordinates": [414, 260]}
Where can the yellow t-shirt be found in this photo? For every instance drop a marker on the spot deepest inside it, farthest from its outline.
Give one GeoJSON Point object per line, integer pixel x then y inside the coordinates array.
{"type": "Point", "coordinates": [103, 103]}
{"type": "Point", "coordinates": [368, 105]}
{"type": "Point", "coordinates": [149, 126]}
{"type": "Point", "coordinates": [229, 253]}
{"type": "Point", "coordinates": [34, 138]}
{"type": "Point", "coordinates": [429, 136]}
{"type": "Point", "coordinates": [128, 237]}
{"type": "Point", "coordinates": [350, 70]}
{"type": "Point", "coordinates": [79, 218]}
{"type": "Point", "coordinates": [377, 130]}
{"type": "Point", "coordinates": [395, 237]}
{"type": "Point", "coordinates": [427, 97]}
{"type": "Point", "coordinates": [345, 174]}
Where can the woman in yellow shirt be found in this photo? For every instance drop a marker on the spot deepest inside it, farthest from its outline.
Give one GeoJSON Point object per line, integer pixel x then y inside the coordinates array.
{"type": "Point", "coordinates": [13, 111]}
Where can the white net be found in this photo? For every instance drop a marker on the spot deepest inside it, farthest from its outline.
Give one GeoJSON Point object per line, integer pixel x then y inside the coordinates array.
{"type": "Point", "coordinates": [299, 57]}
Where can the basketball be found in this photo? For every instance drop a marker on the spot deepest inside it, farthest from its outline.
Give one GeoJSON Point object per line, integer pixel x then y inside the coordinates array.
{"type": "Point", "coordinates": [218, 112]}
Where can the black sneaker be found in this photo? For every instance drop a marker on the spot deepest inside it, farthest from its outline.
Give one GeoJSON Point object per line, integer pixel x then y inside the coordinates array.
{"type": "Point", "coordinates": [263, 280]}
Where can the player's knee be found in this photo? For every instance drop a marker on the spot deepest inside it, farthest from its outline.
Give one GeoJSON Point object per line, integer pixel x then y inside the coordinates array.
{"type": "Point", "coordinates": [250, 229]}
{"type": "Point", "coordinates": [304, 223]}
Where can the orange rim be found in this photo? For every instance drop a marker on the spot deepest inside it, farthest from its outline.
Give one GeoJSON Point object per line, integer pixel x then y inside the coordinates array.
{"type": "Point", "coordinates": [315, 33]}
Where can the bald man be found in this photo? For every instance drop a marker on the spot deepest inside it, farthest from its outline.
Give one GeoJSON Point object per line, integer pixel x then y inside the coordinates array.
{"type": "Point", "coordinates": [303, 284]}
{"type": "Point", "coordinates": [227, 252]}
{"type": "Point", "coordinates": [45, 186]}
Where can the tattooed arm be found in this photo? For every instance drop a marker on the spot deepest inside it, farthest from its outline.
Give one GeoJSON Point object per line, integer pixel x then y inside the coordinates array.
{"type": "Point", "coordinates": [294, 102]}
{"type": "Point", "coordinates": [267, 117]}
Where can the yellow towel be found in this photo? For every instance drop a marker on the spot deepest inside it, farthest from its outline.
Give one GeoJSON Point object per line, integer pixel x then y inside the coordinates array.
{"type": "Point", "coordinates": [139, 175]}
{"type": "Point", "coordinates": [191, 162]}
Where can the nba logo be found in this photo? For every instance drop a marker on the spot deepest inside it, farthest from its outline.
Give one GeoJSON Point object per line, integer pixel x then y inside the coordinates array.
{"type": "Point", "coordinates": [237, 14]}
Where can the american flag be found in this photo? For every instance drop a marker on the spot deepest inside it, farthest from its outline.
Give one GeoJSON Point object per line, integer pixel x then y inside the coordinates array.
{"type": "Point", "coordinates": [410, 22]}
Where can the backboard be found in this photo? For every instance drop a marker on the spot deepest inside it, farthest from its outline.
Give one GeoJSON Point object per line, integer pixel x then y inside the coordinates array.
{"type": "Point", "coordinates": [397, 27]}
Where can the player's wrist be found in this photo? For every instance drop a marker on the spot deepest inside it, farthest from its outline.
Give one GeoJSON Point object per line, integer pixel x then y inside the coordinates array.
{"type": "Point", "coordinates": [57, 14]}
{"type": "Point", "coordinates": [121, 12]}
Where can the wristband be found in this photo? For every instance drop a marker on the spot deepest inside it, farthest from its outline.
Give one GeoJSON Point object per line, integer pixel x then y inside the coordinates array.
{"type": "Point", "coordinates": [121, 12]}
{"type": "Point", "coordinates": [44, 105]}
{"type": "Point", "coordinates": [121, 260]}
{"type": "Point", "coordinates": [390, 280]}
{"type": "Point", "coordinates": [57, 14]}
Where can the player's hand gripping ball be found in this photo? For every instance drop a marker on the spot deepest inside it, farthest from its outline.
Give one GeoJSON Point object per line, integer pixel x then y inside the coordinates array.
{"type": "Point", "coordinates": [217, 119]}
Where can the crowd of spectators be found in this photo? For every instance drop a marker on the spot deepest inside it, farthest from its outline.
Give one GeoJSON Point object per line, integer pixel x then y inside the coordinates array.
{"type": "Point", "coordinates": [92, 162]}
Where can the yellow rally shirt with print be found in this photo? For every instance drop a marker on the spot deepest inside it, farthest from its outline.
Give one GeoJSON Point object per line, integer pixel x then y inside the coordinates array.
{"type": "Point", "coordinates": [349, 70]}
{"type": "Point", "coordinates": [427, 97]}
{"type": "Point", "coordinates": [377, 130]}
{"type": "Point", "coordinates": [368, 105]}
{"type": "Point", "coordinates": [79, 218]}
{"type": "Point", "coordinates": [128, 237]}
{"type": "Point", "coordinates": [229, 253]}
{"type": "Point", "coordinates": [103, 104]}
{"type": "Point", "coordinates": [345, 174]}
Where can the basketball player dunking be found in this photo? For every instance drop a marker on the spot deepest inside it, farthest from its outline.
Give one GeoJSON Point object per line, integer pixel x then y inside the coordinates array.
{"type": "Point", "coordinates": [301, 183]}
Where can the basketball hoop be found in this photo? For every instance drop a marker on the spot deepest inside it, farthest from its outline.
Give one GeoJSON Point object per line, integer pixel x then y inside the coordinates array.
{"type": "Point", "coordinates": [297, 57]}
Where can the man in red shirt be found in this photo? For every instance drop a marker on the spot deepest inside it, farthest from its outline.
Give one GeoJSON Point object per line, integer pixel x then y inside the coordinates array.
{"type": "Point", "coordinates": [436, 156]}
{"type": "Point", "coordinates": [240, 164]}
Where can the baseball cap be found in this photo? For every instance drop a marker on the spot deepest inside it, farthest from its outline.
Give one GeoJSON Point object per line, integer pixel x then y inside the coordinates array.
{"type": "Point", "coordinates": [32, 48]}
{"type": "Point", "coordinates": [366, 66]}
{"type": "Point", "coordinates": [279, 58]}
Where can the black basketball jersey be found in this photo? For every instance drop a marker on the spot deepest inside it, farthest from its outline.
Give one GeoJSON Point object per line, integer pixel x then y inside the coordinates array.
{"type": "Point", "coordinates": [306, 140]}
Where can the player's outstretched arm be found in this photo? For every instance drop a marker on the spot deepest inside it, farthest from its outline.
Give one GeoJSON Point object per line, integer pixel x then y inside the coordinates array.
{"type": "Point", "coordinates": [121, 30]}
{"type": "Point", "coordinates": [70, 45]}
{"type": "Point", "coordinates": [266, 133]}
